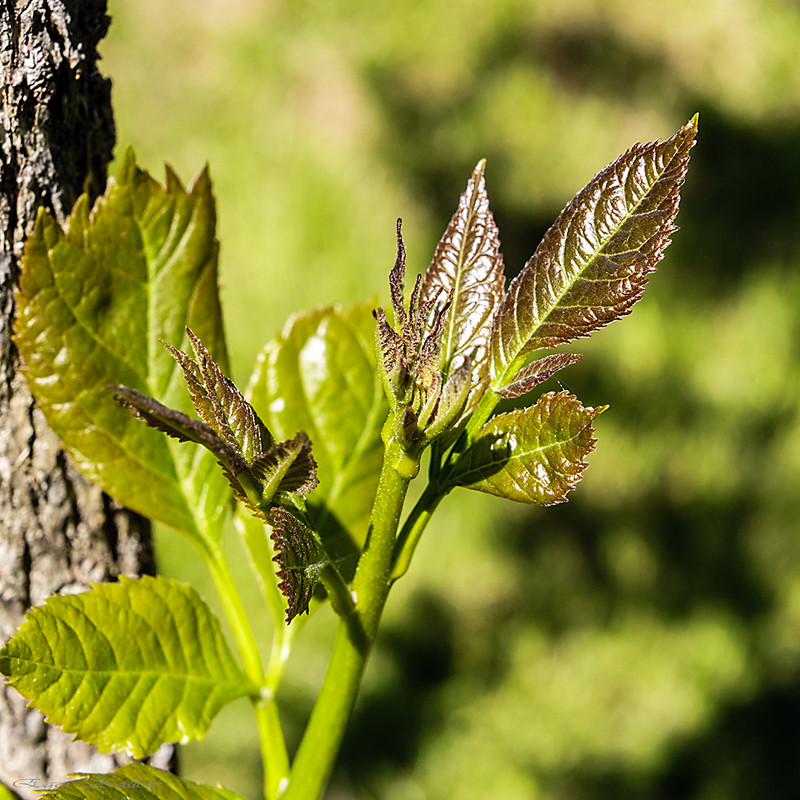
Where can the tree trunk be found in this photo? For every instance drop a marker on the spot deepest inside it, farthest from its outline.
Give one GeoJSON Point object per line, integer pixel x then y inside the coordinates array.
{"type": "Point", "coordinates": [58, 532]}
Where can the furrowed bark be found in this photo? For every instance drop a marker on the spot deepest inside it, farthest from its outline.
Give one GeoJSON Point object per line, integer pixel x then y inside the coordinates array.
{"type": "Point", "coordinates": [58, 532]}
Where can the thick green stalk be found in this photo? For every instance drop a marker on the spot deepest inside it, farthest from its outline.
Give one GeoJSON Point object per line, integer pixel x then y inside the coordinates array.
{"type": "Point", "coordinates": [354, 638]}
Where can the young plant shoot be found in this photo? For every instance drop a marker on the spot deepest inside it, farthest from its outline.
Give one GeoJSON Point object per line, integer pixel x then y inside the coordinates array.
{"type": "Point", "coordinates": [118, 315]}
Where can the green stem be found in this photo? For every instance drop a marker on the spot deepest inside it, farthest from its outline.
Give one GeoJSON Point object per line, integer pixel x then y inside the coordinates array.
{"type": "Point", "coordinates": [273, 746]}
{"type": "Point", "coordinates": [413, 528]}
{"type": "Point", "coordinates": [354, 638]}
{"type": "Point", "coordinates": [337, 589]}
{"type": "Point", "coordinates": [273, 750]}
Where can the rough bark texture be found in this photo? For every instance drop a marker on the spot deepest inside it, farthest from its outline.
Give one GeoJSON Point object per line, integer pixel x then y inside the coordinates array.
{"type": "Point", "coordinates": [58, 532]}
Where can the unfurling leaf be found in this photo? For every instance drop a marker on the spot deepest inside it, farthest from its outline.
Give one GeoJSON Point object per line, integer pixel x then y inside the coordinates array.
{"type": "Point", "coordinates": [533, 455]}
{"type": "Point", "coordinates": [286, 467]}
{"type": "Point", "coordinates": [410, 354]}
{"type": "Point", "coordinates": [537, 372]}
{"type": "Point", "coordinates": [468, 267]}
{"type": "Point", "coordinates": [137, 782]}
{"type": "Point", "coordinates": [300, 560]}
{"type": "Point", "coordinates": [593, 263]}
{"type": "Point", "coordinates": [178, 425]}
{"type": "Point", "coordinates": [125, 666]}
{"type": "Point", "coordinates": [93, 300]}
{"type": "Point", "coordinates": [219, 403]}
{"type": "Point", "coordinates": [256, 467]}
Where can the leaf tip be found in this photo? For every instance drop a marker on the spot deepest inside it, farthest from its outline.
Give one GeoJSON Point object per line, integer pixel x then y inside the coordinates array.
{"type": "Point", "coordinates": [127, 165]}
{"type": "Point", "coordinates": [172, 183]}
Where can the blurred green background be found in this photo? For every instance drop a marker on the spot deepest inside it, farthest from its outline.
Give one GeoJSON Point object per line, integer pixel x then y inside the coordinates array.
{"type": "Point", "coordinates": [642, 640]}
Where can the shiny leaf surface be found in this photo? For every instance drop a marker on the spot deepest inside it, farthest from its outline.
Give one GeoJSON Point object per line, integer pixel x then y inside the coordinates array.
{"type": "Point", "coordinates": [468, 268]}
{"type": "Point", "coordinates": [319, 376]}
{"type": "Point", "coordinates": [532, 455]}
{"type": "Point", "coordinates": [593, 263]}
{"type": "Point", "coordinates": [537, 372]}
{"type": "Point", "coordinates": [93, 301]}
{"type": "Point", "coordinates": [125, 666]}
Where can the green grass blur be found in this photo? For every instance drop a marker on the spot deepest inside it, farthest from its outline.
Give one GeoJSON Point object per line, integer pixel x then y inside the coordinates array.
{"type": "Point", "coordinates": [643, 640]}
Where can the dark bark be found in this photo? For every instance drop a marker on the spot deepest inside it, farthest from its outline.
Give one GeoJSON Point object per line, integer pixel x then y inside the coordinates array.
{"type": "Point", "coordinates": [58, 532]}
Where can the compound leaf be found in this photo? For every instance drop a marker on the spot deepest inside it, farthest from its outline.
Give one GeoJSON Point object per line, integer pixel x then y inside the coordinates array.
{"type": "Point", "coordinates": [93, 301]}
{"type": "Point", "coordinates": [319, 376]}
{"type": "Point", "coordinates": [532, 455]}
{"type": "Point", "coordinates": [125, 666]}
{"type": "Point", "coordinates": [137, 781]}
{"type": "Point", "coordinates": [593, 263]}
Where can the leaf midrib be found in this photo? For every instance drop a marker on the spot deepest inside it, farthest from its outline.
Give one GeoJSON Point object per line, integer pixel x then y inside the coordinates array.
{"type": "Point", "coordinates": [568, 285]}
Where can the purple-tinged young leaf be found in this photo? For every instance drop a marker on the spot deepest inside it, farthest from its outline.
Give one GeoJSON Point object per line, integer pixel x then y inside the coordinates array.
{"type": "Point", "coordinates": [537, 372]}
{"type": "Point", "coordinates": [593, 263]}
{"type": "Point", "coordinates": [300, 560]}
{"type": "Point", "coordinates": [178, 425]}
{"type": "Point", "coordinates": [468, 267]}
{"type": "Point", "coordinates": [220, 404]}
{"type": "Point", "coordinates": [389, 346]}
{"type": "Point", "coordinates": [409, 355]}
{"type": "Point", "coordinates": [397, 278]}
{"type": "Point", "coordinates": [194, 382]}
{"type": "Point", "coordinates": [286, 467]}
{"type": "Point", "coordinates": [182, 427]}
{"type": "Point", "coordinates": [533, 455]}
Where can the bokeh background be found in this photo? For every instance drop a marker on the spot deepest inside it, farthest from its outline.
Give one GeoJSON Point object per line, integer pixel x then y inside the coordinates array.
{"type": "Point", "coordinates": [643, 640]}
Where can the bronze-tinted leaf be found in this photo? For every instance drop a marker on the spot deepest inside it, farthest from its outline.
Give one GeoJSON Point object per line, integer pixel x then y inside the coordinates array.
{"type": "Point", "coordinates": [537, 372]}
{"type": "Point", "coordinates": [286, 467]}
{"type": "Point", "coordinates": [593, 264]}
{"type": "Point", "coordinates": [533, 455]}
{"type": "Point", "coordinates": [220, 403]}
{"type": "Point", "coordinates": [300, 560]}
{"type": "Point", "coordinates": [178, 425]}
{"type": "Point", "coordinates": [468, 268]}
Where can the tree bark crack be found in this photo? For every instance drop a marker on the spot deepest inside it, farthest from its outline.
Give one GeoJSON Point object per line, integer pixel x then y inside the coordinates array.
{"type": "Point", "coordinates": [58, 532]}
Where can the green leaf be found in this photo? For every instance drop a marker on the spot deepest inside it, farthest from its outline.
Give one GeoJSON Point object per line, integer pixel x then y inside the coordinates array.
{"type": "Point", "coordinates": [532, 455]}
{"type": "Point", "coordinates": [137, 782]}
{"type": "Point", "coordinates": [93, 301]}
{"type": "Point", "coordinates": [255, 537]}
{"type": "Point", "coordinates": [125, 666]}
{"type": "Point", "coordinates": [468, 267]}
{"type": "Point", "coordinates": [593, 264]}
{"type": "Point", "coordinates": [319, 376]}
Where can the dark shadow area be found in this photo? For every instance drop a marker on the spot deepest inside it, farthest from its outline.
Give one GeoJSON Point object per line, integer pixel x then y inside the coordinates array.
{"type": "Point", "coordinates": [748, 753]}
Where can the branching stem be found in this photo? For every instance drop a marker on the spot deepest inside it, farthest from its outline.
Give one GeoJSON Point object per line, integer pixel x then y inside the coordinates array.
{"type": "Point", "coordinates": [354, 638]}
